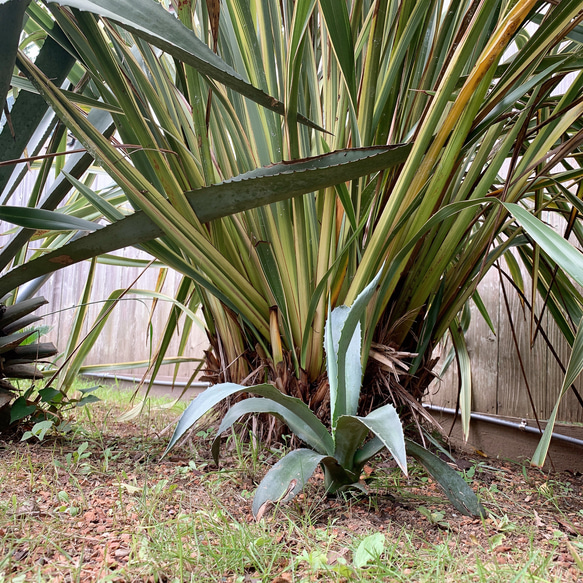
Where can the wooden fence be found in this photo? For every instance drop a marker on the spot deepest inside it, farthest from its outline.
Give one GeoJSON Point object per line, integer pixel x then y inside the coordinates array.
{"type": "Point", "coordinates": [507, 374]}
{"type": "Point", "coordinates": [133, 329]}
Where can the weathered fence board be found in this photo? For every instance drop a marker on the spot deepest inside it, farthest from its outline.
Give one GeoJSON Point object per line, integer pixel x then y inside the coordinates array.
{"type": "Point", "coordinates": [498, 383]}
{"type": "Point", "coordinates": [132, 331]}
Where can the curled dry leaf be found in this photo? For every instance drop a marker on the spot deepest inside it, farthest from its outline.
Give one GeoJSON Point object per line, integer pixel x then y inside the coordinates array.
{"type": "Point", "coordinates": [214, 10]}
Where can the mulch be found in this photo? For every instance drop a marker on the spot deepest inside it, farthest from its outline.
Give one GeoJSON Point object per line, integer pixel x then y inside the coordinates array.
{"type": "Point", "coordinates": [76, 519]}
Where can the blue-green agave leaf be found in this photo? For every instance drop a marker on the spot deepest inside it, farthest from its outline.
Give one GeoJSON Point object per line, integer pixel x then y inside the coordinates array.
{"type": "Point", "coordinates": [256, 405]}
{"type": "Point", "coordinates": [342, 342]}
{"type": "Point", "coordinates": [349, 435]}
{"type": "Point", "coordinates": [345, 385]}
{"type": "Point", "coordinates": [455, 487]}
{"type": "Point", "coordinates": [368, 451]}
{"type": "Point", "coordinates": [32, 218]}
{"type": "Point", "coordinates": [29, 115]}
{"type": "Point", "coordinates": [250, 190]}
{"type": "Point", "coordinates": [286, 479]}
{"type": "Point", "coordinates": [12, 17]}
{"type": "Point", "coordinates": [384, 422]}
{"type": "Point", "coordinates": [286, 179]}
{"type": "Point", "coordinates": [214, 395]}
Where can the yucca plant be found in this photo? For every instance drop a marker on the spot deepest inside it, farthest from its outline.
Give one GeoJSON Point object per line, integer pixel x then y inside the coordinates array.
{"type": "Point", "coordinates": [342, 452]}
{"type": "Point", "coordinates": [404, 130]}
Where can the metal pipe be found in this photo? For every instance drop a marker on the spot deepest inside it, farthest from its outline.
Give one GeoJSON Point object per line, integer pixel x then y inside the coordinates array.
{"type": "Point", "coordinates": [504, 422]}
{"type": "Point", "coordinates": [115, 377]}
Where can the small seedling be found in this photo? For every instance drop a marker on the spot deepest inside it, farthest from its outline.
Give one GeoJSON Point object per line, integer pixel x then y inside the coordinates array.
{"type": "Point", "coordinates": [72, 460]}
{"type": "Point", "coordinates": [436, 517]}
{"type": "Point", "coordinates": [504, 524]}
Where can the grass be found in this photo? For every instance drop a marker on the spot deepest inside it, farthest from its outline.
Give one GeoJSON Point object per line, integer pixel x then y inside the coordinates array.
{"type": "Point", "coordinates": [98, 505]}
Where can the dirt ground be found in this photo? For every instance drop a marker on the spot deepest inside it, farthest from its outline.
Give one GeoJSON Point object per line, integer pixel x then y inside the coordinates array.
{"type": "Point", "coordinates": [70, 511]}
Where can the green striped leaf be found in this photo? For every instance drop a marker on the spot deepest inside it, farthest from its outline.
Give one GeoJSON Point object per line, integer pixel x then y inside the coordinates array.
{"type": "Point", "coordinates": [463, 360]}
{"type": "Point", "coordinates": [32, 218]}
{"type": "Point", "coordinates": [150, 21]}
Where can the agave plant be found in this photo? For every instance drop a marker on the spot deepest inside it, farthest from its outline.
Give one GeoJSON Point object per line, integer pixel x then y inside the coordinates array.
{"type": "Point", "coordinates": [404, 130]}
{"type": "Point", "coordinates": [18, 357]}
{"type": "Point", "coordinates": [342, 452]}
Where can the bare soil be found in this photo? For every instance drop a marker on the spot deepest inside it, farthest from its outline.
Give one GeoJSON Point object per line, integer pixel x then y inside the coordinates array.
{"type": "Point", "coordinates": [66, 517]}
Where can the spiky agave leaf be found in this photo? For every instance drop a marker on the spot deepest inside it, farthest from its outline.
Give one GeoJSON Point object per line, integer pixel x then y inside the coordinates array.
{"type": "Point", "coordinates": [214, 395]}
{"type": "Point", "coordinates": [454, 486]}
{"type": "Point", "coordinates": [257, 405]}
{"type": "Point", "coordinates": [335, 452]}
{"type": "Point", "coordinates": [287, 478]}
{"type": "Point", "coordinates": [17, 359]}
{"type": "Point", "coordinates": [384, 423]}
{"type": "Point", "coordinates": [343, 345]}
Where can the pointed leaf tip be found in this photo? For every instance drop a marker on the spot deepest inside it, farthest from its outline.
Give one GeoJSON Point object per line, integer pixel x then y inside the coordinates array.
{"type": "Point", "coordinates": [286, 479]}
